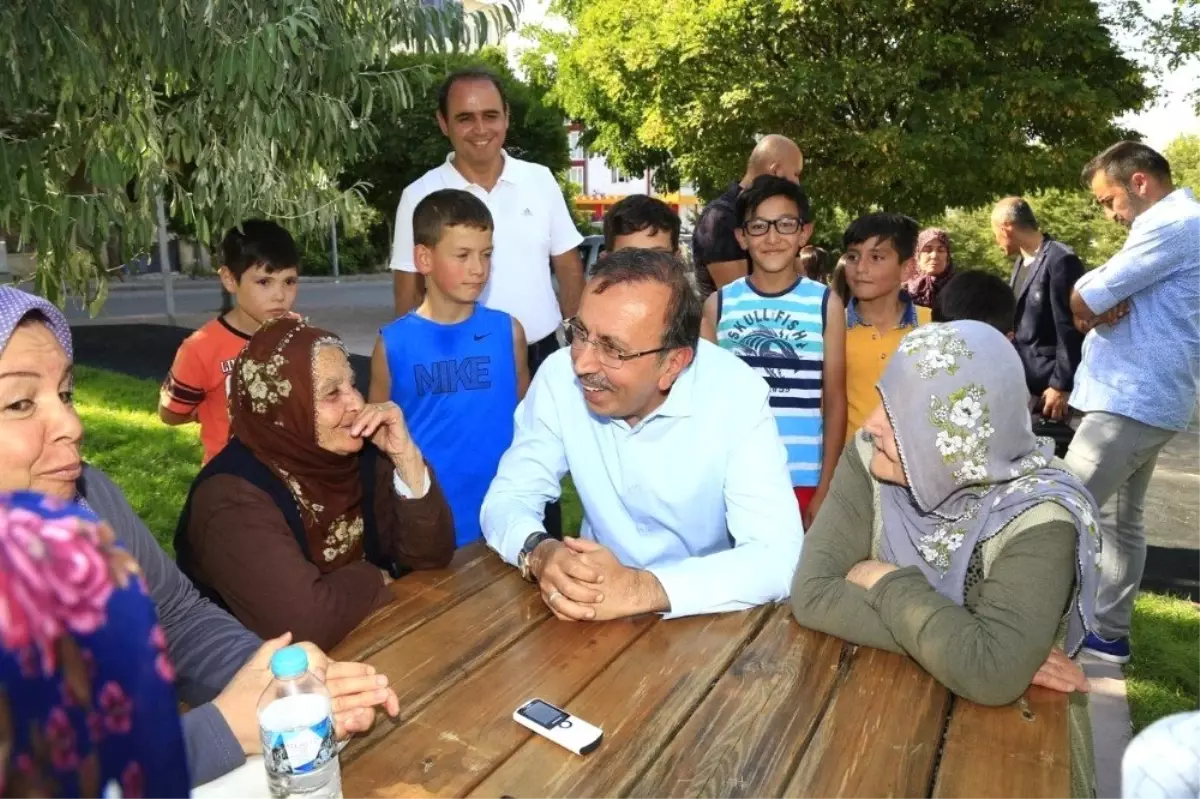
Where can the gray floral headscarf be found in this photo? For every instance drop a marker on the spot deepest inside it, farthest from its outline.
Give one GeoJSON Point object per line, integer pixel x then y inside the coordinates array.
{"type": "Point", "coordinates": [955, 395]}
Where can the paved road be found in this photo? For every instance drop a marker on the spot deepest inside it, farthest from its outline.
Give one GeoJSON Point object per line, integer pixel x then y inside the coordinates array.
{"type": "Point", "coordinates": [355, 310]}
{"type": "Point", "coordinates": [205, 297]}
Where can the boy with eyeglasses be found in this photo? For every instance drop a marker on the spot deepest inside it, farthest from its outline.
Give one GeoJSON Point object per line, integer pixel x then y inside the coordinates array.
{"type": "Point", "coordinates": [456, 368]}
{"type": "Point", "coordinates": [791, 330]}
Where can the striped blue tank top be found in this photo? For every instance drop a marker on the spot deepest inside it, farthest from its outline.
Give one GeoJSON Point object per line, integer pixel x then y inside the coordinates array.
{"type": "Point", "coordinates": [781, 336]}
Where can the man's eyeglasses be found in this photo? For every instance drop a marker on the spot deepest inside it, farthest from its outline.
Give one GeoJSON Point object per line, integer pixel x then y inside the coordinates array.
{"type": "Point", "coordinates": [785, 225]}
{"type": "Point", "coordinates": [611, 356]}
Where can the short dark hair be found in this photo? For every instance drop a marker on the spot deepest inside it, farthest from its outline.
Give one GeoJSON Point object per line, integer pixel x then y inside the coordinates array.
{"type": "Point", "coordinates": [900, 230]}
{"type": "Point", "coordinates": [815, 262]}
{"type": "Point", "coordinates": [1018, 213]}
{"type": "Point", "coordinates": [978, 296]}
{"type": "Point", "coordinates": [471, 73]}
{"type": "Point", "coordinates": [764, 188]}
{"type": "Point", "coordinates": [1125, 158]}
{"type": "Point", "coordinates": [636, 213]}
{"type": "Point", "coordinates": [259, 242]}
{"type": "Point", "coordinates": [448, 208]}
{"type": "Point", "coordinates": [649, 266]}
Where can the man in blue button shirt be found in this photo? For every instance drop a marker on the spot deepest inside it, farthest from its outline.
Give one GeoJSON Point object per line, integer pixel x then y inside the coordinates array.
{"type": "Point", "coordinates": [1137, 383]}
{"type": "Point", "coordinates": [671, 443]}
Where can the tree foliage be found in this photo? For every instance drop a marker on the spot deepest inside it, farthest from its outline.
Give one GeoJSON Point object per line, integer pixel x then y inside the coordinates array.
{"type": "Point", "coordinates": [411, 144]}
{"type": "Point", "coordinates": [230, 107]}
{"type": "Point", "coordinates": [910, 106]}
{"type": "Point", "coordinates": [1179, 37]}
{"type": "Point", "coordinates": [1070, 215]}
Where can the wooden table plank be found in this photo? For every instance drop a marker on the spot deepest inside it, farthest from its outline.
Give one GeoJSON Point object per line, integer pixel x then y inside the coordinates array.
{"type": "Point", "coordinates": [1022, 749]}
{"type": "Point", "coordinates": [439, 653]}
{"type": "Point", "coordinates": [881, 733]}
{"type": "Point", "coordinates": [746, 736]}
{"type": "Point", "coordinates": [420, 596]}
{"type": "Point", "coordinates": [639, 701]}
{"type": "Point", "coordinates": [460, 737]}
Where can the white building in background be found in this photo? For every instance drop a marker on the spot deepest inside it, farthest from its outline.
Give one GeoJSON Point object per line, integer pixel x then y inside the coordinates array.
{"type": "Point", "coordinates": [600, 184]}
{"type": "Point", "coordinates": [595, 178]}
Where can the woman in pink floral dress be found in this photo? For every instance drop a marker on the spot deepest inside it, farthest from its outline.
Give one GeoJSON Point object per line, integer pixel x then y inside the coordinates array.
{"type": "Point", "coordinates": [87, 706]}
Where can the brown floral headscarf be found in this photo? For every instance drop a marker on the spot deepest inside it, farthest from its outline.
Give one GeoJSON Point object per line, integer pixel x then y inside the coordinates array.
{"type": "Point", "coordinates": [272, 411]}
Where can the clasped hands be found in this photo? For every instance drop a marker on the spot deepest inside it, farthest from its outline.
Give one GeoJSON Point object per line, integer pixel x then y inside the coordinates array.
{"type": "Point", "coordinates": [581, 580]}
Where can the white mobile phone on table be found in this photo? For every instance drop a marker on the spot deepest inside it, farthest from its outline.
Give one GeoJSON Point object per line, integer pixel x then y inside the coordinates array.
{"type": "Point", "coordinates": [569, 732]}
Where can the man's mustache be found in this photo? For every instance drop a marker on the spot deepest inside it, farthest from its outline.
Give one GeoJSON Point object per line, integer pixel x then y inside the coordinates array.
{"type": "Point", "coordinates": [594, 381]}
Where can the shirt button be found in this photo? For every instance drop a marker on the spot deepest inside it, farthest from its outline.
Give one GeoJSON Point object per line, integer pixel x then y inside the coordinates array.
{"type": "Point", "coordinates": [882, 356]}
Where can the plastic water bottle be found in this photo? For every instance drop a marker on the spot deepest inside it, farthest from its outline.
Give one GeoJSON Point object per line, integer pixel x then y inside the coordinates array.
{"type": "Point", "coordinates": [295, 719]}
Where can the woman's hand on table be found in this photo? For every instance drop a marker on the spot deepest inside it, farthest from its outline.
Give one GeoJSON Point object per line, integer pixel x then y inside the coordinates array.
{"type": "Point", "coordinates": [238, 702]}
{"type": "Point", "coordinates": [867, 572]}
{"type": "Point", "coordinates": [355, 688]}
{"type": "Point", "coordinates": [1060, 673]}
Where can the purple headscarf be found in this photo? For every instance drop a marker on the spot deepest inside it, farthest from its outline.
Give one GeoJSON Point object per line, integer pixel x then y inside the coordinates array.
{"type": "Point", "coordinates": [15, 305]}
{"type": "Point", "coordinates": [922, 287]}
{"type": "Point", "coordinates": [972, 461]}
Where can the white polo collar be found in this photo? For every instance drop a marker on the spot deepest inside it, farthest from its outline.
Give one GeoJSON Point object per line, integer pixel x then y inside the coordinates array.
{"type": "Point", "coordinates": [508, 172]}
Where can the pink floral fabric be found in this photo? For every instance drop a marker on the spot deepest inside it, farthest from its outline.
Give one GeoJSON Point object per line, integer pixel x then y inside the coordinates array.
{"type": "Point", "coordinates": [87, 704]}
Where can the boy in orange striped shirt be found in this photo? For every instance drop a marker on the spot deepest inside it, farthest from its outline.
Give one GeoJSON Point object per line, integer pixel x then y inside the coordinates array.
{"type": "Point", "coordinates": [261, 269]}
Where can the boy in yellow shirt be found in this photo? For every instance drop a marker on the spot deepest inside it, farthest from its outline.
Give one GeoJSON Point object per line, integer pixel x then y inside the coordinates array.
{"type": "Point", "coordinates": [880, 247]}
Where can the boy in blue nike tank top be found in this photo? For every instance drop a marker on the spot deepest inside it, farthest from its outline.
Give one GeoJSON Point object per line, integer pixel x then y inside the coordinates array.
{"type": "Point", "coordinates": [791, 330]}
{"type": "Point", "coordinates": [456, 369]}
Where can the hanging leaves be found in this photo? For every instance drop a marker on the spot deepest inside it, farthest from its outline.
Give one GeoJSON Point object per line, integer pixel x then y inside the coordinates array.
{"type": "Point", "coordinates": [232, 108]}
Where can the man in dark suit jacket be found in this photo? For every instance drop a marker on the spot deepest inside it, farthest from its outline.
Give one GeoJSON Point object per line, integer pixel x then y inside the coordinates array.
{"type": "Point", "coordinates": [1044, 273]}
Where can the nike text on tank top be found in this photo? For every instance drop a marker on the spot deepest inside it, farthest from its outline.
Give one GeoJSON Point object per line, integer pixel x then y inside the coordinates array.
{"type": "Point", "coordinates": [782, 338]}
{"type": "Point", "coordinates": [457, 386]}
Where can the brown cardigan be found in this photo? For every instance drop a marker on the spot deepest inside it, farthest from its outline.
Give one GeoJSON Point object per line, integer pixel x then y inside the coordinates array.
{"type": "Point", "coordinates": [245, 550]}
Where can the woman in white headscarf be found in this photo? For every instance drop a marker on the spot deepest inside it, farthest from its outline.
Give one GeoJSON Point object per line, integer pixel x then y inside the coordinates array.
{"type": "Point", "coordinates": [949, 534]}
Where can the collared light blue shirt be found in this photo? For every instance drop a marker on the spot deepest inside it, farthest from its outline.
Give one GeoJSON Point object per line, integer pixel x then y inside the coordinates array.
{"type": "Point", "coordinates": [698, 493]}
{"type": "Point", "coordinates": [1147, 366]}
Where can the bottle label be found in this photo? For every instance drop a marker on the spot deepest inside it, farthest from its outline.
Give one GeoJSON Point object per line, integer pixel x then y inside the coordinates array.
{"type": "Point", "coordinates": [299, 751]}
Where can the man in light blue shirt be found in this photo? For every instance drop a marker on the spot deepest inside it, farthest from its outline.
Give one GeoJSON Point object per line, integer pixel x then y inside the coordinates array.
{"type": "Point", "coordinates": [1137, 383]}
{"type": "Point", "coordinates": [687, 499]}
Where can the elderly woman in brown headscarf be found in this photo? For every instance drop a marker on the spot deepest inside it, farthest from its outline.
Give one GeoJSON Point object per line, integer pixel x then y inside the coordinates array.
{"type": "Point", "coordinates": [935, 267]}
{"type": "Point", "coordinates": [318, 501]}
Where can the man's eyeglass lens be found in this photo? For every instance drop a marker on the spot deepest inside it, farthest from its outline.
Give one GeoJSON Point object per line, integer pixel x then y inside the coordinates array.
{"type": "Point", "coordinates": [577, 338]}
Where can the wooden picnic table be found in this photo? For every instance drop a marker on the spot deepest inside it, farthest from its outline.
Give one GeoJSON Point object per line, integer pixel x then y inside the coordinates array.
{"type": "Point", "coordinates": [737, 704]}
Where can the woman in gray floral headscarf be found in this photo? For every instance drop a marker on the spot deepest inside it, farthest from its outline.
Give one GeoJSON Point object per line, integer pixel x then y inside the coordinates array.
{"type": "Point", "coordinates": [951, 535]}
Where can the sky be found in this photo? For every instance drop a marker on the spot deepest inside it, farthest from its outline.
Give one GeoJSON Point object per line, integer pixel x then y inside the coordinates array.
{"type": "Point", "coordinates": [1168, 116]}
{"type": "Point", "coordinates": [1172, 113]}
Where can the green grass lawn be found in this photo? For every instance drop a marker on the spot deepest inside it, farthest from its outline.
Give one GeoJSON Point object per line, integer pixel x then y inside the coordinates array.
{"type": "Point", "coordinates": [154, 465]}
{"type": "Point", "coordinates": [1164, 675]}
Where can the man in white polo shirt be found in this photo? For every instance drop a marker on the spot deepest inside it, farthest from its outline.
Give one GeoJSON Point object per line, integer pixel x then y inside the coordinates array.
{"type": "Point", "coordinates": [533, 227]}
{"type": "Point", "coordinates": [532, 223]}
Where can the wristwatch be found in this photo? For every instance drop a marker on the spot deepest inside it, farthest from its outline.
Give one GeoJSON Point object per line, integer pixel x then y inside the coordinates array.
{"type": "Point", "coordinates": [531, 543]}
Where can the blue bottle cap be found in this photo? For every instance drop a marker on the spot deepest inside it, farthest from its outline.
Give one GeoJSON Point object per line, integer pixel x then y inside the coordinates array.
{"type": "Point", "coordinates": [291, 661]}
